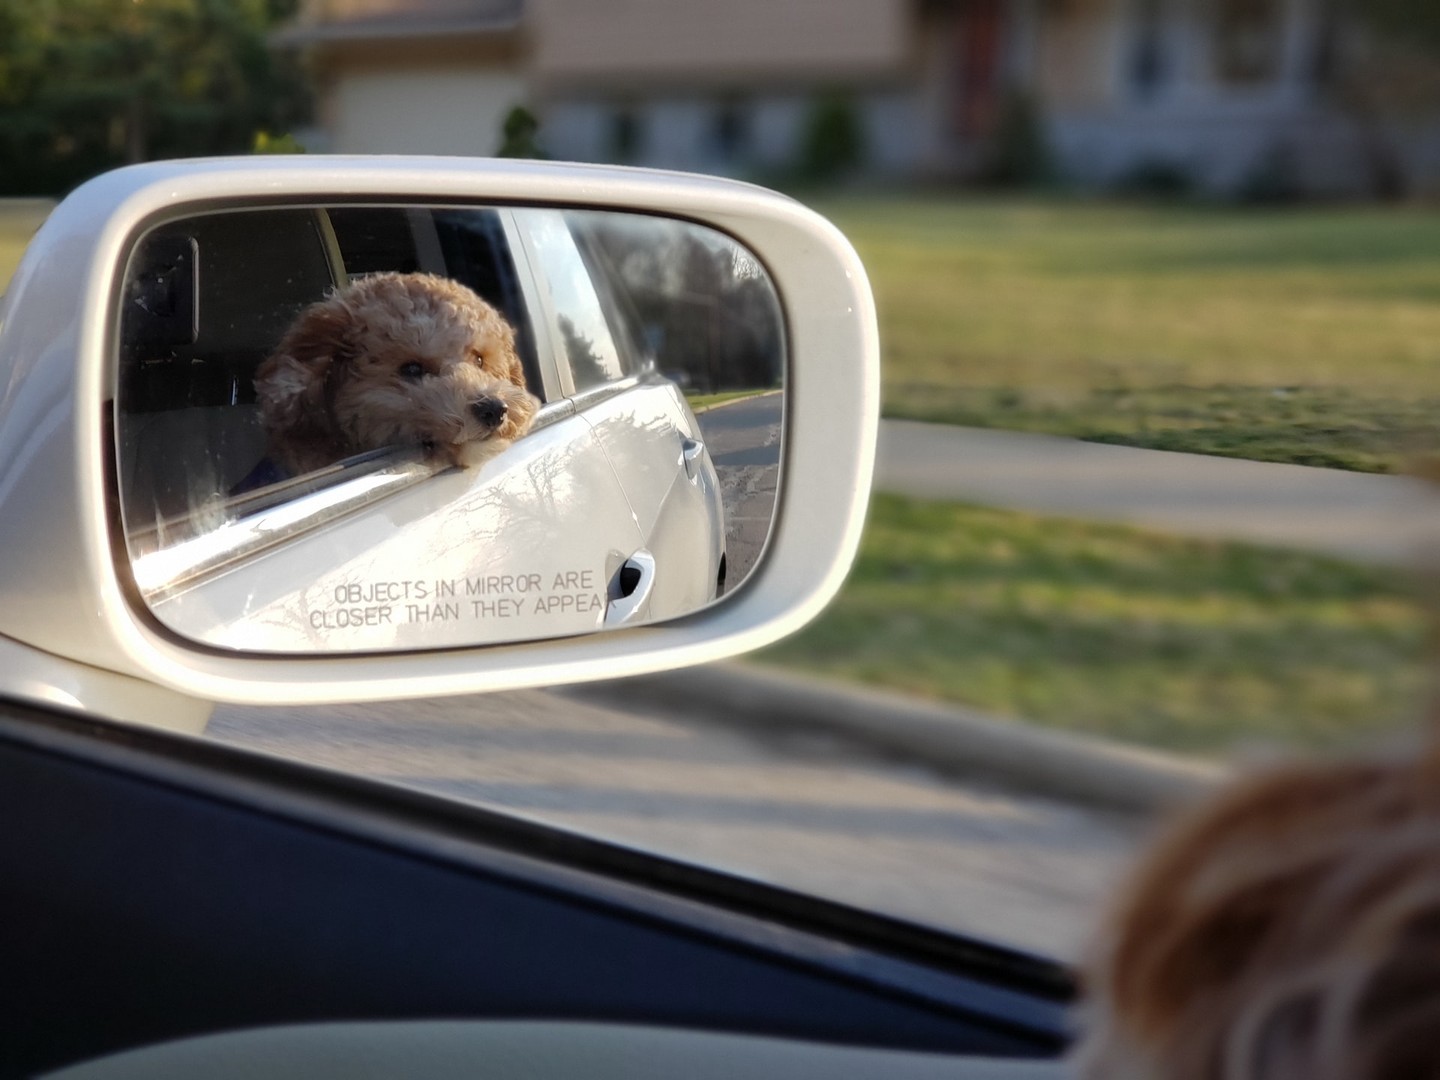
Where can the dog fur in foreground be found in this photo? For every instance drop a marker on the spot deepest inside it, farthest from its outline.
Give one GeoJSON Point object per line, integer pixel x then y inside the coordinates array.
{"type": "Point", "coordinates": [1290, 930]}
{"type": "Point", "coordinates": [394, 359]}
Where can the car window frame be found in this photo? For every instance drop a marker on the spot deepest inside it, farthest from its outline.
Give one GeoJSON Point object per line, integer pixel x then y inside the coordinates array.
{"type": "Point", "coordinates": [557, 353]}
{"type": "Point", "coordinates": [194, 551]}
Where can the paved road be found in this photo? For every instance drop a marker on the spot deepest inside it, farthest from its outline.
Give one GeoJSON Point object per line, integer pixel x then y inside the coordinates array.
{"type": "Point", "coordinates": [744, 442]}
{"type": "Point", "coordinates": [1353, 515]}
{"type": "Point", "coordinates": [811, 814]}
{"type": "Point", "coordinates": [823, 815]}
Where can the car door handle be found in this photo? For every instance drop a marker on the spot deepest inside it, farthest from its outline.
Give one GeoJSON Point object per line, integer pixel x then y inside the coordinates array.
{"type": "Point", "coordinates": [630, 590]}
{"type": "Point", "coordinates": [691, 450]}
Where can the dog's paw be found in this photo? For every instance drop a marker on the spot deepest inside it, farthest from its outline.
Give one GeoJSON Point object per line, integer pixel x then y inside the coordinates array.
{"type": "Point", "coordinates": [472, 455]}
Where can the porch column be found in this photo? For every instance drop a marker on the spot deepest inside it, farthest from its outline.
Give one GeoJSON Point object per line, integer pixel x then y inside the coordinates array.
{"type": "Point", "coordinates": [1302, 29]}
{"type": "Point", "coordinates": [1023, 51]}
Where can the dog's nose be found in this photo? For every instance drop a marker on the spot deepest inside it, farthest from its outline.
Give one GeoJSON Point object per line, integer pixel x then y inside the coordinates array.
{"type": "Point", "coordinates": [489, 411]}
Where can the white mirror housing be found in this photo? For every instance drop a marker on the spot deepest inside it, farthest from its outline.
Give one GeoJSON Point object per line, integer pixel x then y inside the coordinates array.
{"type": "Point", "coordinates": [73, 630]}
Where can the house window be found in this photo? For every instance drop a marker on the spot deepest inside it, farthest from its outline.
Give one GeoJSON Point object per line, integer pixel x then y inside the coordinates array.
{"type": "Point", "coordinates": [1248, 40]}
{"type": "Point", "coordinates": [732, 130]}
{"type": "Point", "coordinates": [626, 136]}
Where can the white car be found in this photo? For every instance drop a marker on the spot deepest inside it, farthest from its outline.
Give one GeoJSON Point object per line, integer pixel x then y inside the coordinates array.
{"type": "Point", "coordinates": [173, 906]}
{"type": "Point", "coordinates": [608, 513]}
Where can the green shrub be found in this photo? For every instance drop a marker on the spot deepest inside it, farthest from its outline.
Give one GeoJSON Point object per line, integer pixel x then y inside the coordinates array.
{"type": "Point", "coordinates": [519, 135]}
{"type": "Point", "coordinates": [1157, 178]}
{"type": "Point", "coordinates": [834, 142]}
{"type": "Point", "coordinates": [265, 143]}
{"type": "Point", "coordinates": [1019, 154]}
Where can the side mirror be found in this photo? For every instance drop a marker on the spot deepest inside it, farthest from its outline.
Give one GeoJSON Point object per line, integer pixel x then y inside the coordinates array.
{"type": "Point", "coordinates": [293, 430]}
{"type": "Point", "coordinates": [477, 391]}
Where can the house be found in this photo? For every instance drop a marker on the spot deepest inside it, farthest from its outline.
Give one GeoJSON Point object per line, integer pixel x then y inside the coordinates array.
{"type": "Point", "coordinates": [1222, 94]}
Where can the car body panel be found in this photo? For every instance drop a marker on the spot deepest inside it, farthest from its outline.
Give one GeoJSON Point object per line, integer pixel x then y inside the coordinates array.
{"type": "Point", "coordinates": [524, 547]}
{"type": "Point", "coordinates": [654, 446]}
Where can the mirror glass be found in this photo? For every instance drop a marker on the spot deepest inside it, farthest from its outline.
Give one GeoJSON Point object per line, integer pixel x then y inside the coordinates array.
{"type": "Point", "coordinates": [356, 428]}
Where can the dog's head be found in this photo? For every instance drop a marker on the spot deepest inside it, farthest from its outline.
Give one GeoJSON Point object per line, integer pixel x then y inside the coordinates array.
{"type": "Point", "coordinates": [1288, 931]}
{"type": "Point", "coordinates": [394, 359]}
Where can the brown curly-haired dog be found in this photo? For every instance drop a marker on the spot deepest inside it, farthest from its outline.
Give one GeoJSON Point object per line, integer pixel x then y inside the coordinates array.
{"type": "Point", "coordinates": [1289, 930]}
{"type": "Point", "coordinates": [394, 359]}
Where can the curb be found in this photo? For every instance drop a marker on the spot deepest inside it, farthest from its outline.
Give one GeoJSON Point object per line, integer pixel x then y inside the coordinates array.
{"type": "Point", "coordinates": [1055, 763]}
{"type": "Point", "coordinates": [734, 401]}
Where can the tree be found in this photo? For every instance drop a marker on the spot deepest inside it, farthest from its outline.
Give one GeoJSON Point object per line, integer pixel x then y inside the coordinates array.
{"type": "Point", "coordinates": [86, 85]}
{"type": "Point", "coordinates": [703, 306]}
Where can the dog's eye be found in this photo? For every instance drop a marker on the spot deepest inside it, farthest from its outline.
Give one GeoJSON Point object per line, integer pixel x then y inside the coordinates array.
{"type": "Point", "coordinates": [413, 370]}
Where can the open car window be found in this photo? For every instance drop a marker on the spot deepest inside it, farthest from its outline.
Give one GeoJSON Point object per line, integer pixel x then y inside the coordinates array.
{"type": "Point", "coordinates": [204, 305]}
{"type": "Point", "coordinates": [465, 244]}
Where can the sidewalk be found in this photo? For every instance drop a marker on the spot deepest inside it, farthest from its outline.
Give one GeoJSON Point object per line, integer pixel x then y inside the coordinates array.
{"type": "Point", "coordinates": [1350, 515]}
{"type": "Point", "coordinates": [1359, 516]}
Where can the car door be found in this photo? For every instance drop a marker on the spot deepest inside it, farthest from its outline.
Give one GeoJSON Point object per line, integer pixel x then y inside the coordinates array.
{"type": "Point", "coordinates": [641, 421]}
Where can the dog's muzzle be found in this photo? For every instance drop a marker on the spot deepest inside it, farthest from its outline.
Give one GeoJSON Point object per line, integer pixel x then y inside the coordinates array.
{"type": "Point", "coordinates": [489, 411]}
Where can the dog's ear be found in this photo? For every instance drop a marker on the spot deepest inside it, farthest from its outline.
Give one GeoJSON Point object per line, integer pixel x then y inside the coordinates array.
{"type": "Point", "coordinates": [514, 370]}
{"type": "Point", "coordinates": [516, 374]}
{"type": "Point", "coordinates": [291, 383]}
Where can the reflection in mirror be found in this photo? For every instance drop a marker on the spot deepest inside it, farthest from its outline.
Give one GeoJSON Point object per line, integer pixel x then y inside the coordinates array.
{"type": "Point", "coordinates": [353, 428]}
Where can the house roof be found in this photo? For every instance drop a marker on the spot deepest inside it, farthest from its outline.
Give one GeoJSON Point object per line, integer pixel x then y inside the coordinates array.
{"type": "Point", "coordinates": [323, 22]}
{"type": "Point", "coordinates": [641, 41]}
{"type": "Point", "coordinates": [690, 41]}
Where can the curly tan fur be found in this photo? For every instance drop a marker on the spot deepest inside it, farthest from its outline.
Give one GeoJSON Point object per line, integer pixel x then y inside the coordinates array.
{"type": "Point", "coordinates": [394, 359]}
{"type": "Point", "coordinates": [1288, 931]}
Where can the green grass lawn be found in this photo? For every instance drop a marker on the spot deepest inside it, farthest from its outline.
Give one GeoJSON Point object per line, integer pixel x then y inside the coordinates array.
{"type": "Point", "coordinates": [1182, 644]}
{"type": "Point", "coordinates": [1305, 335]}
